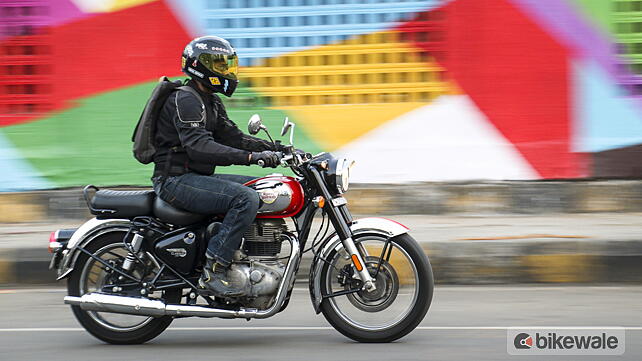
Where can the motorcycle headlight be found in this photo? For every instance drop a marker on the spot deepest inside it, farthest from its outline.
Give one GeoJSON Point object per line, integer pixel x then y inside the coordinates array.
{"type": "Point", "coordinates": [342, 174]}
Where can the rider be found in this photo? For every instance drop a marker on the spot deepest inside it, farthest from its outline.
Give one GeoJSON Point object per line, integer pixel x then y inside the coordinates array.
{"type": "Point", "coordinates": [192, 137]}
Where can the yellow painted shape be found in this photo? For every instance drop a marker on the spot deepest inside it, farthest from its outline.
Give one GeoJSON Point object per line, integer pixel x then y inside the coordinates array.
{"type": "Point", "coordinates": [560, 268]}
{"type": "Point", "coordinates": [124, 4]}
{"type": "Point", "coordinates": [338, 124]}
{"type": "Point", "coordinates": [371, 68]}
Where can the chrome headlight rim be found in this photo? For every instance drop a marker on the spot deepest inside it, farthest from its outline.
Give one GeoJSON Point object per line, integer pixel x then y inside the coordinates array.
{"type": "Point", "coordinates": [342, 175]}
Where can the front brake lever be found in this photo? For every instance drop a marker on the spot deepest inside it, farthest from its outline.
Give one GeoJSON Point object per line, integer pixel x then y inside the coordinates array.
{"type": "Point", "coordinates": [285, 160]}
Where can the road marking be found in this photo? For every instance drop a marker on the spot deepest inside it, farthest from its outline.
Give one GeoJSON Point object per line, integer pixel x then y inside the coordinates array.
{"type": "Point", "coordinates": [324, 328]}
{"type": "Point", "coordinates": [482, 288]}
{"type": "Point", "coordinates": [438, 288]}
{"type": "Point", "coordinates": [32, 290]}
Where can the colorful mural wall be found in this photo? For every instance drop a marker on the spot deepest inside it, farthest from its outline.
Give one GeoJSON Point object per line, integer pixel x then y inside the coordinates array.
{"type": "Point", "coordinates": [422, 90]}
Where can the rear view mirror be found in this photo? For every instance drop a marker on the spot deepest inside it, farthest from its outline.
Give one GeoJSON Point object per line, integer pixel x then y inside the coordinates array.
{"type": "Point", "coordinates": [254, 124]}
{"type": "Point", "coordinates": [286, 126]}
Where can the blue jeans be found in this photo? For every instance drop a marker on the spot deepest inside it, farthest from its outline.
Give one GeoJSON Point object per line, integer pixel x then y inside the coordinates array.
{"type": "Point", "coordinates": [216, 194]}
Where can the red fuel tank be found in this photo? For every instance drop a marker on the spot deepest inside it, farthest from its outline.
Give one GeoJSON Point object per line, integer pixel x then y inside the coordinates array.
{"type": "Point", "coordinates": [281, 196]}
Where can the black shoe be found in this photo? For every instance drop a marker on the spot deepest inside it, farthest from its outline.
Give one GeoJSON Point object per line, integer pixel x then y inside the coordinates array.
{"type": "Point", "coordinates": [214, 282]}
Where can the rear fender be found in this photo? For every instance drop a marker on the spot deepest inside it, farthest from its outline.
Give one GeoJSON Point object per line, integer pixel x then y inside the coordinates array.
{"type": "Point", "coordinates": [89, 231]}
{"type": "Point", "coordinates": [373, 225]}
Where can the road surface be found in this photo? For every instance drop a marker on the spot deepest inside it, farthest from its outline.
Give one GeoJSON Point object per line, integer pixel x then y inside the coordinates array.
{"type": "Point", "coordinates": [464, 323]}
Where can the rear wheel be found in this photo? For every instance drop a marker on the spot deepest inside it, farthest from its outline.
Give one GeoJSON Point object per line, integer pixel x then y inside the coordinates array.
{"type": "Point", "coordinates": [90, 276]}
{"type": "Point", "coordinates": [404, 288]}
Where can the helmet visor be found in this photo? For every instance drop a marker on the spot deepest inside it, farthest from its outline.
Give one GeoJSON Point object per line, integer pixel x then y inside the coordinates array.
{"type": "Point", "coordinates": [225, 65]}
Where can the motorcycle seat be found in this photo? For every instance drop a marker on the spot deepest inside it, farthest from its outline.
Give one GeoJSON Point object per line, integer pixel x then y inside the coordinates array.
{"type": "Point", "coordinates": [172, 215]}
{"type": "Point", "coordinates": [108, 203]}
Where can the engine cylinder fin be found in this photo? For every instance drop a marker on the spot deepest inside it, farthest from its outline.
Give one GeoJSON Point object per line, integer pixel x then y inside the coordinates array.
{"type": "Point", "coordinates": [263, 238]}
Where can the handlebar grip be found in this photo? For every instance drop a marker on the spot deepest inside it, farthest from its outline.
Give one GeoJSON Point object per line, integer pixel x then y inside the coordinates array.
{"type": "Point", "coordinates": [261, 163]}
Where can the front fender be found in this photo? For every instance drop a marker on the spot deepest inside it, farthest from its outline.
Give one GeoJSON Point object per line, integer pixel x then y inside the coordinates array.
{"type": "Point", "coordinates": [83, 236]}
{"type": "Point", "coordinates": [371, 225]}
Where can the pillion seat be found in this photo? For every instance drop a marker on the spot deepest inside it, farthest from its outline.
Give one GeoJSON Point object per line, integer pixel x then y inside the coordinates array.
{"type": "Point", "coordinates": [107, 203]}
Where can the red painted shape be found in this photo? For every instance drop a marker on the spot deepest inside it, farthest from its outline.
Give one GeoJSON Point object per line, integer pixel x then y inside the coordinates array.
{"type": "Point", "coordinates": [514, 71]}
{"type": "Point", "coordinates": [117, 49]}
{"type": "Point", "coordinates": [112, 50]}
{"type": "Point", "coordinates": [298, 196]}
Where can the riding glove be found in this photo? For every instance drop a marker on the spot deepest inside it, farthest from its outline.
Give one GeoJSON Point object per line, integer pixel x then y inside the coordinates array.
{"type": "Point", "coordinates": [269, 158]}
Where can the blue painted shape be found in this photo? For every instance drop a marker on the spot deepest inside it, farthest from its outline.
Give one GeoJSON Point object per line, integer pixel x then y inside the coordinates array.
{"type": "Point", "coordinates": [266, 28]}
{"type": "Point", "coordinates": [17, 174]}
{"type": "Point", "coordinates": [190, 14]}
{"type": "Point", "coordinates": [606, 118]}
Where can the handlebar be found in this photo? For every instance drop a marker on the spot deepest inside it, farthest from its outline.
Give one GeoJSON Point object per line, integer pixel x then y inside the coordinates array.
{"type": "Point", "coordinates": [261, 163]}
{"type": "Point", "coordinates": [289, 158]}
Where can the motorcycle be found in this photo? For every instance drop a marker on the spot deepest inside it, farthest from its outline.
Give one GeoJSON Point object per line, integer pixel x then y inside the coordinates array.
{"type": "Point", "coordinates": [134, 268]}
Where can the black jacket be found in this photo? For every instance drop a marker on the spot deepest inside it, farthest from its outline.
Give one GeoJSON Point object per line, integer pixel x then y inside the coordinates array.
{"type": "Point", "coordinates": [201, 135]}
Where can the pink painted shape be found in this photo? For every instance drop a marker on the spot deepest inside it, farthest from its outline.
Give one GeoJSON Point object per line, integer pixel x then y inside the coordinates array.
{"type": "Point", "coordinates": [63, 11]}
{"type": "Point", "coordinates": [60, 12]}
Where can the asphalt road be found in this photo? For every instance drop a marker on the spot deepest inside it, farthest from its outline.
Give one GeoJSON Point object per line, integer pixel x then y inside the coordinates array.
{"type": "Point", "coordinates": [464, 323]}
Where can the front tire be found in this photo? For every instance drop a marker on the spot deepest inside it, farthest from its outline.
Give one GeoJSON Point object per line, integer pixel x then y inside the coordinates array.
{"type": "Point", "coordinates": [371, 319]}
{"type": "Point", "coordinates": [95, 323]}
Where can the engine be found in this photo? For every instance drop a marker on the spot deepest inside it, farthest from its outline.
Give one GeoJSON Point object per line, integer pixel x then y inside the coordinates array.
{"type": "Point", "coordinates": [263, 239]}
{"type": "Point", "coordinates": [257, 269]}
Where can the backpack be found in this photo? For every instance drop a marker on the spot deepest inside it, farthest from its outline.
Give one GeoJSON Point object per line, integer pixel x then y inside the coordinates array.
{"type": "Point", "coordinates": [145, 130]}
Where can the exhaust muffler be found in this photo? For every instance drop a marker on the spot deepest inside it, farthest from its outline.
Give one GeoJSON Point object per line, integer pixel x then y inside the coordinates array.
{"type": "Point", "coordinates": [145, 307]}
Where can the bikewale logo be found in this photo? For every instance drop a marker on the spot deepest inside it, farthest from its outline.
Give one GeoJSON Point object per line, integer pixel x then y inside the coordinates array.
{"type": "Point", "coordinates": [566, 341]}
{"type": "Point", "coordinates": [523, 341]}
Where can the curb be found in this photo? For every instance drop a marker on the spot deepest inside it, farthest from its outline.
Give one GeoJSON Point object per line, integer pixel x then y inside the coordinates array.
{"type": "Point", "coordinates": [541, 261]}
{"type": "Point", "coordinates": [453, 262]}
{"type": "Point", "coordinates": [509, 197]}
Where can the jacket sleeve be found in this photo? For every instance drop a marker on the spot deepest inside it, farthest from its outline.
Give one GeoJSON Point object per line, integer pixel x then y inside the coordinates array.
{"type": "Point", "coordinates": [198, 142]}
{"type": "Point", "coordinates": [228, 133]}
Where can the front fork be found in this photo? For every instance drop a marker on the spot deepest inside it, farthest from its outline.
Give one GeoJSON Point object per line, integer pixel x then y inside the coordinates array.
{"type": "Point", "coordinates": [359, 264]}
{"type": "Point", "coordinates": [341, 221]}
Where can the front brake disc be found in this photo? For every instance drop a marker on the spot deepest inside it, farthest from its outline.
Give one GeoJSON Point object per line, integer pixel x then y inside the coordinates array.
{"type": "Point", "coordinates": [387, 284]}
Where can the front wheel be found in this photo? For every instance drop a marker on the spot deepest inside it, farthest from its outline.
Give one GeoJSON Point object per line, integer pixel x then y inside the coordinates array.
{"type": "Point", "coordinates": [404, 288]}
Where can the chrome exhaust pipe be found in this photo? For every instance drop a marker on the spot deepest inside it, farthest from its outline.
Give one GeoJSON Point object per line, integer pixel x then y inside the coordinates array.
{"type": "Point", "coordinates": [117, 304]}
{"type": "Point", "coordinates": [100, 302]}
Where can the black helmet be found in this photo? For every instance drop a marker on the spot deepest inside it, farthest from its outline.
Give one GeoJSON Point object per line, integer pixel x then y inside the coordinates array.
{"type": "Point", "coordinates": [212, 61]}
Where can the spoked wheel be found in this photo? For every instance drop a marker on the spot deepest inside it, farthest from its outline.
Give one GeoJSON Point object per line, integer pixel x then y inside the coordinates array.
{"type": "Point", "coordinates": [404, 287]}
{"type": "Point", "coordinates": [91, 276]}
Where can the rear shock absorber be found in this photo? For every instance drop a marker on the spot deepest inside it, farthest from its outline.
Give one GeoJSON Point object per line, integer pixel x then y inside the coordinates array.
{"type": "Point", "coordinates": [130, 259]}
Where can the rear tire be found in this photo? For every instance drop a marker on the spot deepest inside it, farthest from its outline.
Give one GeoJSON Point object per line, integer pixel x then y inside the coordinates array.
{"type": "Point", "coordinates": [408, 322]}
{"type": "Point", "coordinates": [144, 333]}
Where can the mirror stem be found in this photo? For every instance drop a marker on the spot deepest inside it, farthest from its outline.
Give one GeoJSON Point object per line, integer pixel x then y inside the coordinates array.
{"type": "Point", "coordinates": [292, 134]}
{"type": "Point", "coordinates": [268, 134]}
